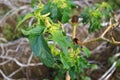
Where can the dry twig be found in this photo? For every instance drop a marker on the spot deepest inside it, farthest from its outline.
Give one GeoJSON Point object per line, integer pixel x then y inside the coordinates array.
{"type": "Point", "coordinates": [110, 71]}
{"type": "Point", "coordinates": [6, 58]}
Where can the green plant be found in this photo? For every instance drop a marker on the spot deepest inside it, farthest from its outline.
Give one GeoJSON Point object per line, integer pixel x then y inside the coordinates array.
{"type": "Point", "coordinates": [62, 53]}
{"type": "Point", "coordinates": [96, 14]}
{"type": "Point", "coordinates": [115, 5]}
{"type": "Point", "coordinates": [10, 33]}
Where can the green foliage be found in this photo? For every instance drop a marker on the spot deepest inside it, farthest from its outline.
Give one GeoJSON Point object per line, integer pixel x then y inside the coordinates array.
{"type": "Point", "coordinates": [35, 31]}
{"type": "Point", "coordinates": [115, 59]}
{"type": "Point", "coordinates": [62, 54]}
{"type": "Point", "coordinates": [40, 47]}
{"type": "Point", "coordinates": [115, 4]}
{"type": "Point", "coordinates": [33, 2]}
{"type": "Point", "coordinates": [61, 40]}
{"type": "Point", "coordinates": [10, 33]}
{"type": "Point", "coordinates": [25, 18]}
{"type": "Point", "coordinates": [86, 51]}
{"type": "Point", "coordinates": [96, 14]}
{"type": "Point", "coordinates": [94, 67]}
{"type": "Point", "coordinates": [60, 10]}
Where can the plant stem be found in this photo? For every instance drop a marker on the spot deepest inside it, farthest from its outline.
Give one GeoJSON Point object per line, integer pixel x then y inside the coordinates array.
{"type": "Point", "coordinates": [67, 76]}
{"type": "Point", "coordinates": [74, 30]}
{"type": "Point", "coordinates": [93, 40]}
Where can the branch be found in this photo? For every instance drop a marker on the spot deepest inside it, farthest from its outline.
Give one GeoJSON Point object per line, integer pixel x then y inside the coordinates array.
{"type": "Point", "coordinates": [5, 77]}
{"type": "Point", "coordinates": [16, 71]}
{"type": "Point", "coordinates": [102, 37]}
{"type": "Point", "coordinates": [12, 12]}
{"type": "Point", "coordinates": [5, 62]}
{"type": "Point", "coordinates": [6, 57]}
{"type": "Point", "coordinates": [19, 63]}
{"type": "Point", "coordinates": [111, 70]}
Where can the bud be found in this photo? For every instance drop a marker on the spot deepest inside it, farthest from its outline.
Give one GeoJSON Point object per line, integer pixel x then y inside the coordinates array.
{"type": "Point", "coordinates": [74, 19]}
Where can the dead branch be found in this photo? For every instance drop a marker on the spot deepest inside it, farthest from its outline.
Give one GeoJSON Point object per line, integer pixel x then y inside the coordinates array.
{"type": "Point", "coordinates": [100, 48]}
{"type": "Point", "coordinates": [5, 77]}
{"type": "Point", "coordinates": [6, 58]}
{"type": "Point", "coordinates": [102, 37]}
{"type": "Point", "coordinates": [15, 72]}
{"type": "Point", "coordinates": [19, 63]}
{"type": "Point", "coordinates": [12, 12]}
{"type": "Point", "coordinates": [110, 71]}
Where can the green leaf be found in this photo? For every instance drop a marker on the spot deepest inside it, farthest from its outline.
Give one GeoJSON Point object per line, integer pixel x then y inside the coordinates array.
{"type": "Point", "coordinates": [73, 74]}
{"type": "Point", "coordinates": [65, 61]}
{"type": "Point", "coordinates": [35, 31]}
{"type": "Point", "coordinates": [29, 15]}
{"type": "Point", "coordinates": [61, 40]}
{"type": "Point", "coordinates": [41, 49]}
{"type": "Point", "coordinates": [71, 3]}
{"type": "Point", "coordinates": [85, 15]}
{"type": "Point", "coordinates": [46, 8]}
{"type": "Point", "coordinates": [82, 63]}
{"type": "Point", "coordinates": [85, 78]}
{"type": "Point", "coordinates": [58, 12]}
{"type": "Point", "coordinates": [95, 24]}
{"type": "Point", "coordinates": [86, 51]}
{"type": "Point", "coordinates": [33, 2]}
{"type": "Point", "coordinates": [118, 64]}
{"type": "Point", "coordinates": [95, 14]}
{"type": "Point", "coordinates": [66, 16]}
{"type": "Point", "coordinates": [54, 13]}
{"type": "Point", "coordinates": [94, 67]}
